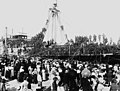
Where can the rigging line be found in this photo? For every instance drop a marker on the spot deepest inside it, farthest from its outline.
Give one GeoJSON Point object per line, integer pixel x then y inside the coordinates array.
{"type": "Point", "coordinates": [58, 16]}
{"type": "Point", "coordinates": [49, 18]}
{"type": "Point", "coordinates": [115, 58]}
{"type": "Point", "coordinates": [64, 19]}
{"type": "Point", "coordinates": [59, 22]}
{"type": "Point", "coordinates": [55, 29]}
{"type": "Point", "coordinates": [75, 53]}
{"type": "Point", "coordinates": [52, 25]}
{"type": "Point", "coordinates": [56, 2]}
{"type": "Point", "coordinates": [68, 24]}
{"type": "Point", "coordinates": [66, 37]}
{"type": "Point", "coordinates": [63, 34]}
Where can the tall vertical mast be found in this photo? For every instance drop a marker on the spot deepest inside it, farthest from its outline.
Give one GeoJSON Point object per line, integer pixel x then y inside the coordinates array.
{"type": "Point", "coordinates": [56, 34]}
{"type": "Point", "coordinates": [5, 46]}
{"type": "Point", "coordinates": [56, 3]}
{"type": "Point", "coordinates": [6, 38]}
{"type": "Point", "coordinates": [12, 32]}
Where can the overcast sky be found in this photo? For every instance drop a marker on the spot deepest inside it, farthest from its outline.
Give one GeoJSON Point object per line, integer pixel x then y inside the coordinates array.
{"type": "Point", "coordinates": [79, 17]}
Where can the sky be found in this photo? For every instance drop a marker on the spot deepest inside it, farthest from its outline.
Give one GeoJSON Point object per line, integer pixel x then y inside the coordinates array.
{"type": "Point", "coordinates": [79, 17]}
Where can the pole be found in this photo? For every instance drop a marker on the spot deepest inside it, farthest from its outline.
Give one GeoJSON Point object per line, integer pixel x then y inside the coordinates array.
{"type": "Point", "coordinates": [83, 49]}
{"type": "Point", "coordinates": [69, 49]}
{"type": "Point", "coordinates": [12, 33]}
{"type": "Point", "coordinates": [6, 51]}
{"type": "Point", "coordinates": [6, 38]}
{"type": "Point", "coordinates": [56, 2]}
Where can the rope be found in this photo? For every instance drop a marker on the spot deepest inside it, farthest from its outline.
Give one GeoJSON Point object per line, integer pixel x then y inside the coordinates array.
{"type": "Point", "coordinates": [114, 58]}
{"type": "Point", "coordinates": [52, 26]}
{"type": "Point", "coordinates": [48, 20]}
{"type": "Point", "coordinates": [74, 54]}
{"type": "Point", "coordinates": [60, 26]}
{"type": "Point", "coordinates": [55, 29]}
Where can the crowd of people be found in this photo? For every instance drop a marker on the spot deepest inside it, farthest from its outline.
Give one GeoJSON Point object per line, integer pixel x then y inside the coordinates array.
{"type": "Point", "coordinates": [27, 71]}
{"type": "Point", "coordinates": [64, 75]}
{"type": "Point", "coordinates": [85, 76]}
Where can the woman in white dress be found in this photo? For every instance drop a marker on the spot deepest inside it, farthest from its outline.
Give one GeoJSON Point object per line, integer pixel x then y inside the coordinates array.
{"type": "Point", "coordinates": [39, 78]}
{"type": "Point", "coordinates": [24, 86]}
{"type": "Point", "coordinates": [100, 86]}
{"type": "Point", "coordinates": [43, 74]}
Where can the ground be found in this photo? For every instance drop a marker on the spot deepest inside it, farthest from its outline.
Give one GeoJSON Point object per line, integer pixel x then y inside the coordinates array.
{"type": "Point", "coordinates": [15, 84]}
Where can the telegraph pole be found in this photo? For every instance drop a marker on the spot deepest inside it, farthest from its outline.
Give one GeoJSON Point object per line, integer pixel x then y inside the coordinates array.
{"type": "Point", "coordinates": [69, 49]}
{"type": "Point", "coordinates": [6, 37]}
{"type": "Point", "coordinates": [6, 51]}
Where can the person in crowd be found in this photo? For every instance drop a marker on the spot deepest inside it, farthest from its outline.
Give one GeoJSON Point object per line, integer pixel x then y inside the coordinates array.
{"type": "Point", "coordinates": [29, 76]}
{"type": "Point", "coordinates": [30, 69]}
{"type": "Point", "coordinates": [43, 74]}
{"type": "Point", "coordinates": [100, 84]}
{"type": "Point", "coordinates": [86, 84]}
{"type": "Point", "coordinates": [72, 78]}
{"type": "Point", "coordinates": [24, 85]}
{"type": "Point", "coordinates": [3, 86]}
{"type": "Point", "coordinates": [26, 65]}
{"type": "Point", "coordinates": [118, 85]}
{"type": "Point", "coordinates": [39, 79]}
{"type": "Point", "coordinates": [109, 76]}
{"type": "Point", "coordinates": [117, 76]}
{"type": "Point", "coordinates": [66, 79]}
{"type": "Point", "coordinates": [21, 74]}
{"type": "Point", "coordinates": [94, 82]}
{"type": "Point", "coordinates": [16, 68]}
{"type": "Point", "coordinates": [61, 71]}
{"type": "Point", "coordinates": [48, 67]}
{"type": "Point", "coordinates": [0, 80]}
{"type": "Point", "coordinates": [54, 84]}
{"type": "Point", "coordinates": [34, 73]}
{"type": "Point", "coordinates": [79, 76]}
{"type": "Point", "coordinates": [12, 71]}
{"type": "Point", "coordinates": [33, 64]}
{"type": "Point", "coordinates": [114, 85]}
{"type": "Point", "coordinates": [54, 73]}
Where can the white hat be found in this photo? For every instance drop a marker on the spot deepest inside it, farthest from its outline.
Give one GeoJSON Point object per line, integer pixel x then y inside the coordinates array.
{"type": "Point", "coordinates": [21, 70]}
{"type": "Point", "coordinates": [3, 77]}
{"type": "Point", "coordinates": [110, 66]}
{"type": "Point", "coordinates": [101, 80]}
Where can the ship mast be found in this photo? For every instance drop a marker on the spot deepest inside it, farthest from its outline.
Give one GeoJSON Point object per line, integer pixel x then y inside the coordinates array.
{"type": "Point", "coordinates": [56, 34]}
